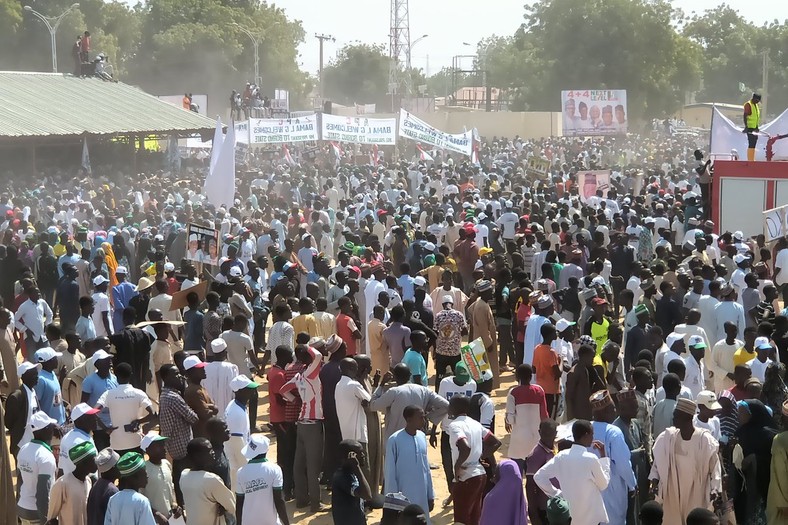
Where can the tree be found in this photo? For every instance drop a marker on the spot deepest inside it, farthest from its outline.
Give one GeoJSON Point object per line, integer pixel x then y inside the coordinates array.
{"type": "Point", "coordinates": [359, 74]}
{"type": "Point", "coordinates": [613, 44]}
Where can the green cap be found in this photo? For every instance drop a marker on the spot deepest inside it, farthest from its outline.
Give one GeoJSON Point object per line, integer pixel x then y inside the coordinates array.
{"type": "Point", "coordinates": [558, 510]}
{"type": "Point", "coordinates": [82, 451]}
{"type": "Point", "coordinates": [129, 463]}
{"type": "Point", "coordinates": [641, 309]}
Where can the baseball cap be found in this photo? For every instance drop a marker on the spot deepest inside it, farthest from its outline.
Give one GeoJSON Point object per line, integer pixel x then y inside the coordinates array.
{"type": "Point", "coordinates": [708, 399]}
{"type": "Point", "coordinates": [240, 382]}
{"type": "Point", "coordinates": [258, 444]}
{"type": "Point", "coordinates": [100, 355]}
{"type": "Point", "coordinates": [563, 324]}
{"type": "Point", "coordinates": [672, 338]}
{"type": "Point", "coordinates": [762, 343]}
{"type": "Point", "coordinates": [740, 258]}
{"type": "Point", "coordinates": [121, 270]}
{"type": "Point", "coordinates": [149, 438]}
{"type": "Point", "coordinates": [45, 354]}
{"type": "Point", "coordinates": [235, 271]}
{"type": "Point", "coordinates": [598, 301]}
{"type": "Point", "coordinates": [169, 267]}
{"type": "Point", "coordinates": [99, 280]}
{"type": "Point", "coordinates": [26, 366]}
{"type": "Point", "coordinates": [697, 341]}
{"type": "Point", "coordinates": [192, 362]}
{"type": "Point", "coordinates": [82, 409]}
{"type": "Point", "coordinates": [40, 420]}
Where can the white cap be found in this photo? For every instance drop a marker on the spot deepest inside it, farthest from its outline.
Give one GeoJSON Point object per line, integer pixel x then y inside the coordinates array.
{"type": "Point", "coordinates": [447, 299]}
{"type": "Point", "coordinates": [192, 362]}
{"type": "Point", "coordinates": [258, 444]}
{"type": "Point", "coordinates": [481, 216]}
{"type": "Point", "coordinates": [99, 280]}
{"type": "Point", "coordinates": [563, 324]}
{"type": "Point", "coordinates": [43, 355]}
{"type": "Point", "coordinates": [40, 420]}
{"type": "Point", "coordinates": [121, 270]}
{"type": "Point", "coordinates": [738, 235]}
{"type": "Point", "coordinates": [740, 258]}
{"type": "Point", "coordinates": [149, 438]}
{"type": "Point", "coordinates": [26, 366]}
{"type": "Point", "coordinates": [762, 343]}
{"type": "Point", "coordinates": [169, 267]}
{"type": "Point", "coordinates": [240, 382]}
{"type": "Point", "coordinates": [708, 399]}
{"type": "Point", "coordinates": [82, 409]}
{"type": "Point", "coordinates": [419, 281]}
{"type": "Point", "coordinates": [696, 340]}
{"type": "Point", "coordinates": [218, 345]}
{"type": "Point", "coordinates": [99, 355]}
{"type": "Point", "coordinates": [235, 271]}
{"type": "Point", "coordinates": [672, 338]}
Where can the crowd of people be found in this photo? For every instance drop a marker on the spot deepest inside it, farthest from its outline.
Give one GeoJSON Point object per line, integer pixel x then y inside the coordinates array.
{"type": "Point", "coordinates": [647, 349]}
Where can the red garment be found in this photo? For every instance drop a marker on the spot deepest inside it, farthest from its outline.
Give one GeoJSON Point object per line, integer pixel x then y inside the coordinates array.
{"type": "Point", "coordinates": [85, 43]}
{"type": "Point", "coordinates": [345, 328]}
{"type": "Point", "coordinates": [277, 406]}
{"type": "Point", "coordinates": [173, 285]}
{"type": "Point", "coordinates": [292, 408]}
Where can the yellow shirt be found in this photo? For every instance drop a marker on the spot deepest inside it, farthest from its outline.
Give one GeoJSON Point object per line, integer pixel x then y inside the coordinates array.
{"type": "Point", "coordinates": [742, 356]}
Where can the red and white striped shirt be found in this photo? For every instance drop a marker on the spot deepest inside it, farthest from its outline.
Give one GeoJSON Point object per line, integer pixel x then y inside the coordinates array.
{"type": "Point", "coordinates": [309, 388]}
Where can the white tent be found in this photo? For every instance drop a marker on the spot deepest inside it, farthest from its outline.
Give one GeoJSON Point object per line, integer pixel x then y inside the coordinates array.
{"type": "Point", "coordinates": [727, 135]}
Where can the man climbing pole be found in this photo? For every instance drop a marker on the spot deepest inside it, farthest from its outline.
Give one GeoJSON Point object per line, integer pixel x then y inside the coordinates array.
{"type": "Point", "coordinates": [752, 121]}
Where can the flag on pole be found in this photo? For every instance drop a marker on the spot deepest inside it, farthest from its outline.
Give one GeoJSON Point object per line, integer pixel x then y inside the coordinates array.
{"type": "Point", "coordinates": [218, 140]}
{"type": "Point", "coordinates": [219, 186]}
{"type": "Point", "coordinates": [423, 155]}
{"type": "Point", "coordinates": [374, 156]}
{"type": "Point", "coordinates": [337, 150]}
{"type": "Point", "coordinates": [476, 140]}
{"type": "Point", "coordinates": [287, 156]}
{"type": "Point", "coordinates": [85, 156]}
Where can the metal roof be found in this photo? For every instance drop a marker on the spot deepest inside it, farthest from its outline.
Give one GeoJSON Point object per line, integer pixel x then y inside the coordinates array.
{"type": "Point", "coordinates": [56, 104]}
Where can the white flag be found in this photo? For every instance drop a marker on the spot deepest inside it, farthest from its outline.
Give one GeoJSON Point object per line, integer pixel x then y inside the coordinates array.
{"type": "Point", "coordinates": [85, 155]}
{"type": "Point", "coordinates": [220, 184]}
{"type": "Point", "coordinates": [218, 139]}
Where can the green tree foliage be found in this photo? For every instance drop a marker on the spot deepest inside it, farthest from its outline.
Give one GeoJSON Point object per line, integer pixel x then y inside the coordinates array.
{"type": "Point", "coordinates": [359, 74]}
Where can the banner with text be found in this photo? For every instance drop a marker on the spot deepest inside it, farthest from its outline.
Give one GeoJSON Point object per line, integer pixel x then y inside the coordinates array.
{"type": "Point", "coordinates": [589, 182]}
{"type": "Point", "coordinates": [416, 129]}
{"type": "Point", "coordinates": [360, 130]}
{"type": "Point", "coordinates": [283, 131]}
{"type": "Point", "coordinates": [594, 112]}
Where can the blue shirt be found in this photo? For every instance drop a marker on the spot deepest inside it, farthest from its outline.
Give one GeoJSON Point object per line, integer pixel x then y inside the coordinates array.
{"type": "Point", "coordinates": [95, 386]}
{"type": "Point", "coordinates": [194, 339]}
{"type": "Point", "coordinates": [121, 295]}
{"type": "Point", "coordinates": [405, 282]}
{"type": "Point", "coordinates": [416, 364]}
{"type": "Point", "coordinates": [85, 328]}
{"type": "Point", "coordinates": [50, 399]}
{"type": "Point", "coordinates": [129, 507]}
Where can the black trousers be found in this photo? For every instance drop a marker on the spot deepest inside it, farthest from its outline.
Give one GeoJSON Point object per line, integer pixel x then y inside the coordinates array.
{"type": "Point", "coordinates": [752, 140]}
{"type": "Point", "coordinates": [252, 406]}
{"type": "Point", "coordinates": [441, 362]}
{"type": "Point", "coordinates": [285, 453]}
{"type": "Point", "coordinates": [178, 466]}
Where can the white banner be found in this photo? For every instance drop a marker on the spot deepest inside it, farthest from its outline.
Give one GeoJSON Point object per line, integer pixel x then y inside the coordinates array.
{"type": "Point", "coordinates": [727, 135]}
{"type": "Point", "coordinates": [242, 132]}
{"type": "Point", "coordinates": [594, 112]}
{"type": "Point", "coordinates": [416, 129]}
{"type": "Point", "coordinates": [359, 130]}
{"type": "Point", "coordinates": [283, 131]}
{"type": "Point", "coordinates": [774, 223]}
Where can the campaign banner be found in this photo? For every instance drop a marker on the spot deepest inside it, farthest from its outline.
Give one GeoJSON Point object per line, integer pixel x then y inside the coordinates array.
{"type": "Point", "coordinates": [283, 131]}
{"type": "Point", "coordinates": [774, 223]}
{"type": "Point", "coordinates": [416, 129]}
{"type": "Point", "coordinates": [241, 131]}
{"type": "Point", "coordinates": [538, 167]}
{"type": "Point", "coordinates": [474, 356]}
{"type": "Point", "coordinates": [202, 244]}
{"type": "Point", "coordinates": [588, 112]}
{"type": "Point", "coordinates": [359, 130]}
{"type": "Point", "coordinates": [589, 182]}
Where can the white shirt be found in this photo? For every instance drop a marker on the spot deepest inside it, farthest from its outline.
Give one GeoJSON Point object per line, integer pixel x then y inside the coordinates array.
{"type": "Point", "coordinates": [125, 404]}
{"type": "Point", "coordinates": [583, 477]}
{"type": "Point", "coordinates": [69, 441]}
{"type": "Point", "coordinates": [32, 408]}
{"type": "Point", "coordinates": [634, 284]}
{"type": "Point", "coordinates": [35, 316]}
{"type": "Point", "coordinates": [257, 481]}
{"type": "Point", "coordinates": [102, 305]}
{"type": "Point", "coordinates": [218, 375]}
{"type": "Point", "coordinates": [351, 414]}
{"type": "Point", "coordinates": [758, 368]}
{"type": "Point", "coordinates": [237, 420]}
{"type": "Point", "coordinates": [33, 460]}
{"type": "Point", "coordinates": [781, 262]}
{"type": "Point", "coordinates": [694, 379]}
{"type": "Point", "coordinates": [670, 355]}
{"type": "Point", "coordinates": [712, 425]}
{"type": "Point", "coordinates": [508, 223]}
{"type": "Point", "coordinates": [464, 427]}
{"type": "Point", "coordinates": [685, 392]}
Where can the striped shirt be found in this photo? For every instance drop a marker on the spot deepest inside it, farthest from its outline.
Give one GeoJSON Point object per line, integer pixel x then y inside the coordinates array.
{"type": "Point", "coordinates": [309, 388]}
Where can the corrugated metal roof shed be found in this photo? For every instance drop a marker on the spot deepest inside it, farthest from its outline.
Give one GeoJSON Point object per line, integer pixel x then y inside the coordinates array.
{"type": "Point", "coordinates": [54, 104]}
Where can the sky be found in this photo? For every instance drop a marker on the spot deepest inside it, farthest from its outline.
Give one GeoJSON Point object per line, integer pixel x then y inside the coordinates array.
{"type": "Point", "coordinates": [448, 23]}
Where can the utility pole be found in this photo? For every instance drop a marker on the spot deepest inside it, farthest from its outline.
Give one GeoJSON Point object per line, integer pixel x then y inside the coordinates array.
{"type": "Point", "coordinates": [765, 81]}
{"type": "Point", "coordinates": [322, 38]}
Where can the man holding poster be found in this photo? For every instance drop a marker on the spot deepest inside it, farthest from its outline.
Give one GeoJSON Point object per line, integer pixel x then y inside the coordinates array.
{"type": "Point", "coordinates": [202, 244]}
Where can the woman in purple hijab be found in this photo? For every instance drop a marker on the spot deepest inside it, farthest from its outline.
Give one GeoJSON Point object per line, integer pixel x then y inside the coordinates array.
{"type": "Point", "coordinates": [505, 503]}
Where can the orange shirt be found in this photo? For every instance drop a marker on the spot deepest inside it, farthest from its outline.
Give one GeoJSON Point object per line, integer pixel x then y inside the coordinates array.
{"type": "Point", "coordinates": [545, 358]}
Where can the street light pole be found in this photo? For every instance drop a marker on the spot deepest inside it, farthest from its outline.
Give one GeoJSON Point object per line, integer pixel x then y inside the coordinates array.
{"type": "Point", "coordinates": [52, 23]}
{"type": "Point", "coordinates": [256, 44]}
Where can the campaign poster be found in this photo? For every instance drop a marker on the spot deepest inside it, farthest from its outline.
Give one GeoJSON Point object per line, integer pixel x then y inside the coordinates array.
{"type": "Point", "coordinates": [284, 131]}
{"type": "Point", "coordinates": [202, 245]}
{"type": "Point", "coordinates": [590, 112]}
{"type": "Point", "coordinates": [474, 356]}
{"type": "Point", "coordinates": [589, 182]}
